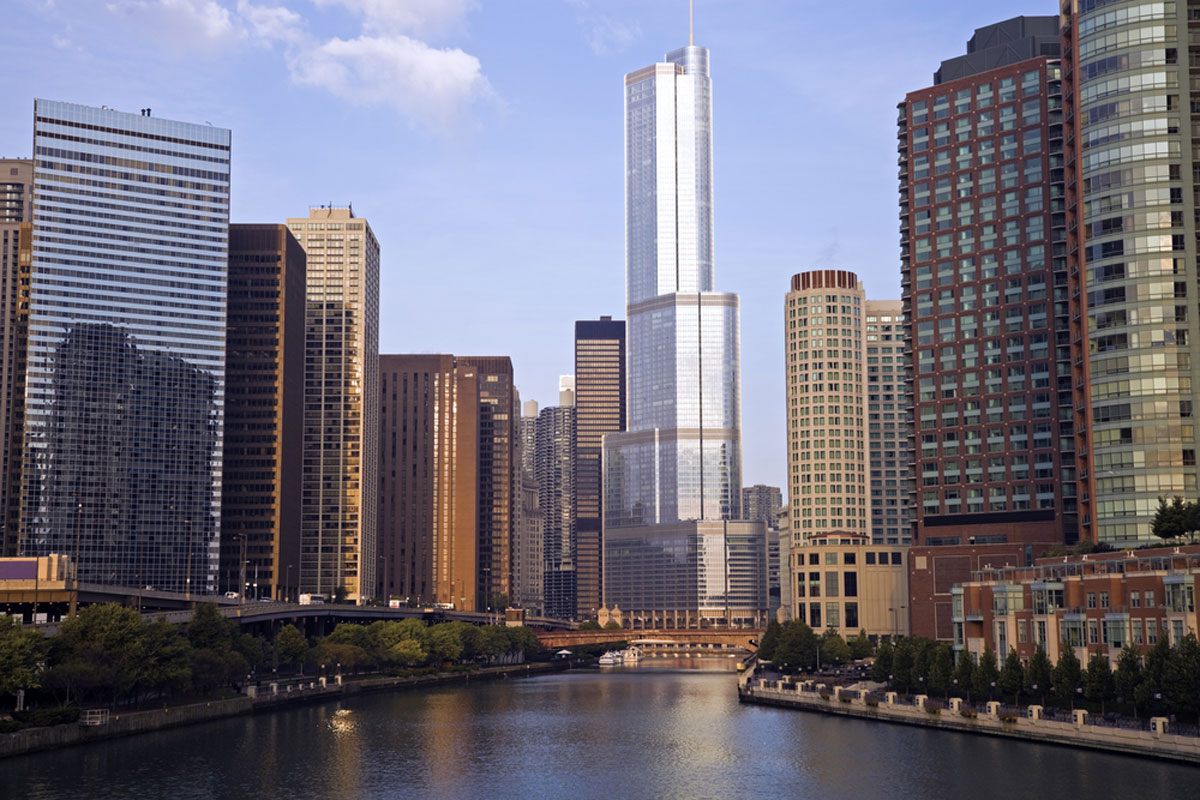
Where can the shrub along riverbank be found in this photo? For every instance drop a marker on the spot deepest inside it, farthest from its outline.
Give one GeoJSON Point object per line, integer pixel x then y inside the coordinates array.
{"type": "Point", "coordinates": [110, 656]}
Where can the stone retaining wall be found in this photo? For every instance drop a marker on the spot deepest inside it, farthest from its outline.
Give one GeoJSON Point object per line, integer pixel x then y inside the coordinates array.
{"type": "Point", "coordinates": [994, 722]}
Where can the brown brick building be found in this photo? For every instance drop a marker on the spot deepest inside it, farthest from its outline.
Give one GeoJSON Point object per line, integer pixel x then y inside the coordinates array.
{"type": "Point", "coordinates": [16, 212]}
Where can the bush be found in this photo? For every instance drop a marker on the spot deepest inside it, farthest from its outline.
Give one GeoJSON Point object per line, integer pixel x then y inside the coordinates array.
{"type": "Point", "coordinates": [872, 702]}
{"type": "Point", "coordinates": [826, 694]}
{"type": "Point", "coordinates": [1008, 718]}
{"type": "Point", "coordinates": [42, 717]}
{"type": "Point", "coordinates": [932, 710]}
{"type": "Point", "coordinates": [968, 712]}
{"type": "Point", "coordinates": [845, 698]}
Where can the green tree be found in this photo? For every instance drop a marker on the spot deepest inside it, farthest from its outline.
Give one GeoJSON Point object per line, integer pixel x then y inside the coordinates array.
{"type": "Point", "coordinates": [1150, 692]}
{"type": "Point", "coordinates": [21, 650]}
{"type": "Point", "coordinates": [290, 646]}
{"type": "Point", "coordinates": [860, 646]}
{"type": "Point", "coordinates": [445, 643]}
{"type": "Point", "coordinates": [964, 676]}
{"type": "Point", "coordinates": [339, 594]}
{"type": "Point", "coordinates": [882, 668]}
{"type": "Point", "coordinates": [797, 648]}
{"type": "Point", "coordinates": [359, 636]}
{"type": "Point", "coordinates": [987, 674]}
{"type": "Point", "coordinates": [1098, 681]}
{"type": "Point", "coordinates": [1012, 676]}
{"type": "Point", "coordinates": [104, 644]}
{"type": "Point", "coordinates": [209, 630]}
{"type": "Point", "coordinates": [1181, 681]}
{"type": "Point", "coordinates": [770, 640]}
{"type": "Point", "coordinates": [902, 666]}
{"type": "Point", "coordinates": [834, 650]}
{"type": "Point", "coordinates": [167, 666]}
{"type": "Point", "coordinates": [1128, 676]}
{"type": "Point", "coordinates": [590, 625]}
{"type": "Point", "coordinates": [941, 669]}
{"type": "Point", "coordinates": [522, 640]}
{"type": "Point", "coordinates": [1066, 678]}
{"type": "Point", "coordinates": [1039, 676]}
{"type": "Point", "coordinates": [408, 653]}
{"type": "Point", "coordinates": [612, 625]}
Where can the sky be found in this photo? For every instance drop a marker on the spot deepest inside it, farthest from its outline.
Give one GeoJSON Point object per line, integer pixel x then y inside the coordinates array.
{"type": "Point", "coordinates": [482, 140]}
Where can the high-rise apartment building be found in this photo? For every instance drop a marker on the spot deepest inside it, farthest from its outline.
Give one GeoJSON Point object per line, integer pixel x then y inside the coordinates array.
{"type": "Point", "coordinates": [428, 480]}
{"type": "Point", "coordinates": [828, 489]}
{"type": "Point", "coordinates": [984, 286]}
{"type": "Point", "coordinates": [599, 411]}
{"type": "Point", "coordinates": [672, 480]}
{"type": "Point", "coordinates": [1130, 95]}
{"type": "Point", "coordinates": [264, 412]}
{"type": "Point", "coordinates": [528, 567]}
{"type": "Point", "coordinates": [555, 459]}
{"type": "Point", "coordinates": [498, 476]}
{"type": "Point", "coordinates": [16, 229]}
{"type": "Point", "coordinates": [341, 408]}
{"type": "Point", "coordinates": [125, 374]}
{"type": "Point", "coordinates": [889, 424]}
{"type": "Point", "coordinates": [761, 502]}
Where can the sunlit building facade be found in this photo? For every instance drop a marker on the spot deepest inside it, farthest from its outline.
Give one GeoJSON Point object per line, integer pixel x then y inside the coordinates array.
{"type": "Point", "coordinates": [16, 229]}
{"type": "Point", "coordinates": [341, 409]}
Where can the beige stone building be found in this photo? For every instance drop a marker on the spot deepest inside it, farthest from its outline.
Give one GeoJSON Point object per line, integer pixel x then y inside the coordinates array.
{"type": "Point", "coordinates": [341, 409]}
{"type": "Point", "coordinates": [846, 583]}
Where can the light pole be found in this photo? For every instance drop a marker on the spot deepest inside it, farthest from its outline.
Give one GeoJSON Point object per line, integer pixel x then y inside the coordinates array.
{"type": "Point", "coordinates": [287, 586]}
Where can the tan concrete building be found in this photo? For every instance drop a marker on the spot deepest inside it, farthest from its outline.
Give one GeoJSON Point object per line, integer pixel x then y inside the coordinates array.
{"type": "Point", "coordinates": [846, 583]}
{"type": "Point", "coordinates": [826, 404]}
{"type": "Point", "coordinates": [16, 198]}
{"type": "Point", "coordinates": [429, 480]}
{"type": "Point", "coordinates": [889, 424]}
{"type": "Point", "coordinates": [264, 412]}
{"type": "Point", "coordinates": [341, 409]}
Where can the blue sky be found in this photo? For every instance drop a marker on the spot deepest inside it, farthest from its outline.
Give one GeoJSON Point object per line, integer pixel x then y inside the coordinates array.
{"type": "Point", "coordinates": [482, 140]}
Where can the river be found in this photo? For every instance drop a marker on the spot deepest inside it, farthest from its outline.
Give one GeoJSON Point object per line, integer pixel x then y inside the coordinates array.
{"type": "Point", "coordinates": [664, 730]}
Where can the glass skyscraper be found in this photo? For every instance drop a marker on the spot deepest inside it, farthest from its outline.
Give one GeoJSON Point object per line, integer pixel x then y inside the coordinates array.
{"type": "Point", "coordinates": [680, 457]}
{"type": "Point", "coordinates": [126, 354]}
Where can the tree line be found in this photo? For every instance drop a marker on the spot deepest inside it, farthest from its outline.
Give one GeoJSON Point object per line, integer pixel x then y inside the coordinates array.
{"type": "Point", "coordinates": [794, 647]}
{"type": "Point", "coordinates": [110, 654]}
{"type": "Point", "coordinates": [1164, 680]}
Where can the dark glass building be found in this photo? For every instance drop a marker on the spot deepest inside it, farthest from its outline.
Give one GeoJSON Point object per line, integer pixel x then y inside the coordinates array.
{"type": "Point", "coordinates": [264, 412]}
{"type": "Point", "coordinates": [599, 409]}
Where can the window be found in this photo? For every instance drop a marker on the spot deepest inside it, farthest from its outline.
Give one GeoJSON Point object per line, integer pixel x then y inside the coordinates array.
{"type": "Point", "coordinates": [1093, 629]}
{"type": "Point", "coordinates": [833, 617]}
{"type": "Point", "coordinates": [849, 558]}
{"type": "Point", "coordinates": [1091, 599]}
{"type": "Point", "coordinates": [896, 559]}
{"type": "Point", "coordinates": [1104, 599]}
{"type": "Point", "coordinates": [870, 557]}
{"type": "Point", "coordinates": [1135, 600]}
{"type": "Point", "coordinates": [851, 616]}
{"type": "Point", "coordinates": [831, 584]}
{"type": "Point", "coordinates": [850, 584]}
{"type": "Point", "coordinates": [1022, 631]}
{"type": "Point", "coordinates": [814, 617]}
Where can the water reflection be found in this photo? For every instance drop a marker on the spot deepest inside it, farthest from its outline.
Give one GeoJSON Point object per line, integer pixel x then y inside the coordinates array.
{"type": "Point", "coordinates": [657, 730]}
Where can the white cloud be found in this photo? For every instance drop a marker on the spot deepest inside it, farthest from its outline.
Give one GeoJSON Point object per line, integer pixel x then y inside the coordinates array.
{"type": "Point", "coordinates": [272, 23]}
{"type": "Point", "coordinates": [604, 34]}
{"type": "Point", "coordinates": [389, 63]}
{"type": "Point", "coordinates": [431, 86]}
{"type": "Point", "coordinates": [182, 22]}
{"type": "Point", "coordinates": [420, 17]}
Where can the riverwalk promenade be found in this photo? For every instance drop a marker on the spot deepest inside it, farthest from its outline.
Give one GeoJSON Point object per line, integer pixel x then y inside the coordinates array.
{"type": "Point", "coordinates": [1027, 723]}
{"type": "Point", "coordinates": [94, 726]}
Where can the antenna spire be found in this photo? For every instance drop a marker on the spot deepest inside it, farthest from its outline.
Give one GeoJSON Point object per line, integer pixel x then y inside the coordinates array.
{"type": "Point", "coordinates": [691, 23]}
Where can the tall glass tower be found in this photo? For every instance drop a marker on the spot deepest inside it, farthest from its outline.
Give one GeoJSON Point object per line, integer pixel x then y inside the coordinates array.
{"type": "Point", "coordinates": [680, 457]}
{"type": "Point", "coordinates": [125, 386]}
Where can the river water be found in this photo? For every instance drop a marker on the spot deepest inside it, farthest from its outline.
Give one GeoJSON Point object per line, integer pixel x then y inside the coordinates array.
{"type": "Point", "coordinates": [664, 730]}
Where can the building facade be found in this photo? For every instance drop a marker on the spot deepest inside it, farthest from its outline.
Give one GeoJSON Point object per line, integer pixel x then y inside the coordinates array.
{"type": "Point", "coordinates": [264, 412]}
{"type": "Point", "coordinates": [1132, 255]}
{"type": "Point", "coordinates": [688, 574]}
{"type": "Point", "coordinates": [599, 410]}
{"type": "Point", "coordinates": [125, 374]}
{"type": "Point", "coordinates": [846, 583]}
{"type": "Point", "coordinates": [1092, 604]}
{"type": "Point", "coordinates": [428, 515]}
{"type": "Point", "coordinates": [528, 567]}
{"type": "Point", "coordinates": [556, 470]}
{"type": "Point", "coordinates": [680, 458]}
{"type": "Point", "coordinates": [16, 230]}
{"type": "Point", "coordinates": [499, 412]}
{"type": "Point", "coordinates": [762, 503]}
{"type": "Point", "coordinates": [983, 281]}
{"type": "Point", "coordinates": [889, 424]}
{"type": "Point", "coordinates": [341, 409]}
{"type": "Point", "coordinates": [826, 382]}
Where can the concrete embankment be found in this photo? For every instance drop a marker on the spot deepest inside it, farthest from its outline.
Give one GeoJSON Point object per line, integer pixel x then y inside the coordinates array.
{"type": "Point", "coordinates": [126, 723]}
{"type": "Point", "coordinates": [995, 721]}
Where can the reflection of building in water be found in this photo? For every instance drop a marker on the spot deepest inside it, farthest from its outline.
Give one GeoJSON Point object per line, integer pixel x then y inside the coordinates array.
{"type": "Point", "coordinates": [136, 428]}
{"type": "Point", "coordinates": [125, 371]}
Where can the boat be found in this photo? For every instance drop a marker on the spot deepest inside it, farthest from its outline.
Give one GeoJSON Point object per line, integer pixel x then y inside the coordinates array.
{"type": "Point", "coordinates": [611, 658]}
{"type": "Point", "coordinates": [631, 656]}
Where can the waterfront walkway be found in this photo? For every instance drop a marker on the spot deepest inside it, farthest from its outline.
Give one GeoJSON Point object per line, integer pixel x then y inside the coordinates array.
{"type": "Point", "coordinates": [1029, 723]}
